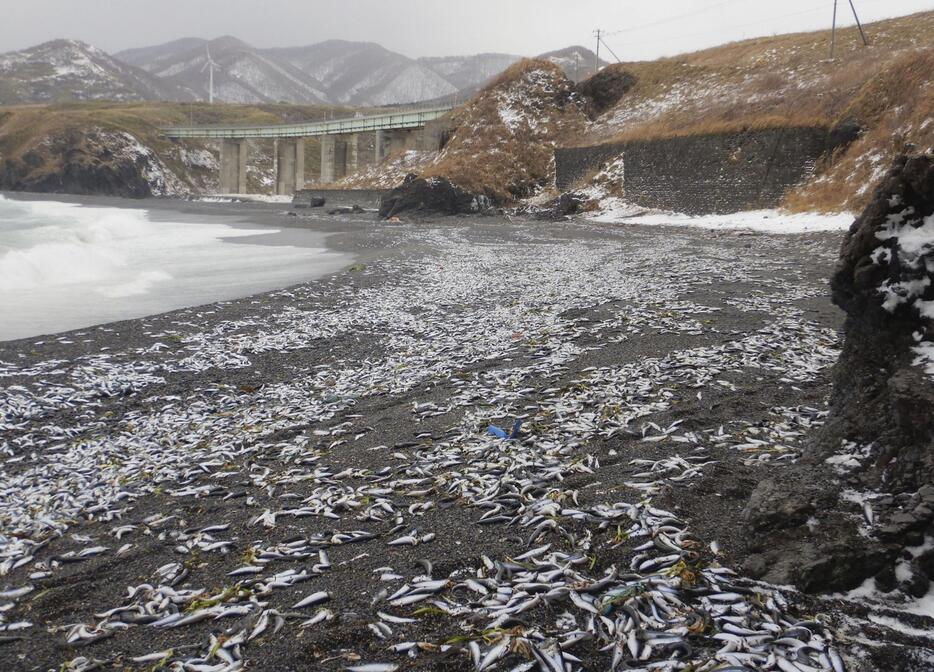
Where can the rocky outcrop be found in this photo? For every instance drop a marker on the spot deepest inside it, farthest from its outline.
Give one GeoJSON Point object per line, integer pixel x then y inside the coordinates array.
{"type": "Point", "coordinates": [98, 161]}
{"type": "Point", "coordinates": [812, 527]}
{"type": "Point", "coordinates": [884, 381]}
{"type": "Point", "coordinates": [605, 89]}
{"type": "Point", "coordinates": [504, 138]}
{"type": "Point", "coordinates": [435, 195]}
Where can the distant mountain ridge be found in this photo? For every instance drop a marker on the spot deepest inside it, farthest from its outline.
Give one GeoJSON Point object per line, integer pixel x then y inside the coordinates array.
{"type": "Point", "coordinates": [336, 71]}
{"type": "Point", "coordinates": [42, 73]}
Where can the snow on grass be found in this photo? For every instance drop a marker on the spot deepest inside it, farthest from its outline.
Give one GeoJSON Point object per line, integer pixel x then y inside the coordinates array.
{"type": "Point", "coordinates": [618, 211]}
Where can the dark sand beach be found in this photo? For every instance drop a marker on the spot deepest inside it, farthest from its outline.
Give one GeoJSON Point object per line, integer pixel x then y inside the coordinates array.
{"type": "Point", "coordinates": [304, 429]}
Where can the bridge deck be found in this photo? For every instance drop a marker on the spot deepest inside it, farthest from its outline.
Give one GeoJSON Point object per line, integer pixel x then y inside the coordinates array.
{"type": "Point", "coordinates": [378, 122]}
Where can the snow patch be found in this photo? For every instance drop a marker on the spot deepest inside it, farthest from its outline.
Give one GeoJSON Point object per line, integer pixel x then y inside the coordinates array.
{"type": "Point", "coordinates": [618, 211]}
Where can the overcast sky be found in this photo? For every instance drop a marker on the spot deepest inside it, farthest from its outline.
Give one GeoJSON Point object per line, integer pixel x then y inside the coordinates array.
{"type": "Point", "coordinates": [636, 29]}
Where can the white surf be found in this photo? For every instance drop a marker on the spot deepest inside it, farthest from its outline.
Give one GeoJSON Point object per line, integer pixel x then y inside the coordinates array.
{"type": "Point", "coordinates": [64, 266]}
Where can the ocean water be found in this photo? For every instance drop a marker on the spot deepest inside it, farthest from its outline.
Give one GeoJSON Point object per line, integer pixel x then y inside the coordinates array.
{"type": "Point", "coordinates": [65, 266]}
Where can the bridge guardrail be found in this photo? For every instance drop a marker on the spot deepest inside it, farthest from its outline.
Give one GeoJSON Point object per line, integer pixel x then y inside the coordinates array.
{"type": "Point", "coordinates": [388, 121]}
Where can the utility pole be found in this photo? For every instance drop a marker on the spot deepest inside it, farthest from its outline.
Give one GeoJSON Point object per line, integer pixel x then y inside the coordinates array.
{"type": "Point", "coordinates": [859, 25]}
{"type": "Point", "coordinates": [833, 30]}
{"type": "Point", "coordinates": [596, 59]}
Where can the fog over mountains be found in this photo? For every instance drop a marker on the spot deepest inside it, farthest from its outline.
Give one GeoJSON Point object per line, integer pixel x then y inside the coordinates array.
{"type": "Point", "coordinates": [336, 71]}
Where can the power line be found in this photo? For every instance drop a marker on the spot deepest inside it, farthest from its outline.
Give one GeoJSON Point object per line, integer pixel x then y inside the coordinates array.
{"type": "Point", "coordinates": [669, 38]}
{"type": "Point", "coordinates": [668, 19]}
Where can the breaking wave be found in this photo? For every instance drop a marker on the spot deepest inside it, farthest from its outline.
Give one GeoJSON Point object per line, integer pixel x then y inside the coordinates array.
{"type": "Point", "coordinates": [46, 244]}
{"type": "Point", "coordinates": [64, 265]}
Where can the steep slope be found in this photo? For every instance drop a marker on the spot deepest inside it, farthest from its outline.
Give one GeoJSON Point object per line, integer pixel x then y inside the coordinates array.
{"type": "Point", "coordinates": [504, 141]}
{"type": "Point", "coordinates": [117, 149]}
{"type": "Point", "coordinates": [72, 70]}
{"type": "Point", "coordinates": [152, 59]}
{"type": "Point", "coordinates": [364, 73]}
{"type": "Point", "coordinates": [788, 80]}
{"type": "Point", "coordinates": [469, 73]}
{"type": "Point", "coordinates": [502, 148]}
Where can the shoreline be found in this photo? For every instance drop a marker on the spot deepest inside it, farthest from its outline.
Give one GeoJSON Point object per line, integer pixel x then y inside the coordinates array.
{"type": "Point", "coordinates": [281, 231]}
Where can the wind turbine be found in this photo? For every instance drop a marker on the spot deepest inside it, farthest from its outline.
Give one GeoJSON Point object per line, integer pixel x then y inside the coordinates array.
{"type": "Point", "coordinates": [209, 66]}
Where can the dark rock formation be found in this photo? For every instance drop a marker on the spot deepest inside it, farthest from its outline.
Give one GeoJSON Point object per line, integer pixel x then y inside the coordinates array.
{"type": "Point", "coordinates": [802, 530]}
{"type": "Point", "coordinates": [94, 162]}
{"type": "Point", "coordinates": [844, 133]}
{"type": "Point", "coordinates": [885, 276]}
{"type": "Point", "coordinates": [567, 204]}
{"type": "Point", "coordinates": [604, 89]}
{"type": "Point", "coordinates": [435, 195]}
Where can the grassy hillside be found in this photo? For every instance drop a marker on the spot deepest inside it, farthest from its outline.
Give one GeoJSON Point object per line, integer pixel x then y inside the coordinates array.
{"type": "Point", "coordinates": [782, 81]}
{"type": "Point", "coordinates": [791, 80]}
{"type": "Point", "coordinates": [506, 135]}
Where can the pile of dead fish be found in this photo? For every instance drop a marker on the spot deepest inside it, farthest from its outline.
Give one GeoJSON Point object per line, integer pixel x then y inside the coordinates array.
{"type": "Point", "coordinates": [619, 584]}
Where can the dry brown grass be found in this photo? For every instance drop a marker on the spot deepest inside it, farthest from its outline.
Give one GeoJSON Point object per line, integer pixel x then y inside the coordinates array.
{"type": "Point", "coordinates": [896, 107]}
{"type": "Point", "coordinates": [790, 81]}
{"type": "Point", "coordinates": [504, 160]}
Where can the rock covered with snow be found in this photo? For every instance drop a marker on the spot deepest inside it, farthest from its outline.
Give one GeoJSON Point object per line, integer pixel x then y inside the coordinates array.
{"type": "Point", "coordinates": [884, 382]}
{"type": "Point", "coordinates": [92, 161]}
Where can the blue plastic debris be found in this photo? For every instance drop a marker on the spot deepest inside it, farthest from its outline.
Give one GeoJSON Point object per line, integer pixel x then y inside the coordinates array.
{"type": "Point", "coordinates": [516, 426]}
{"type": "Point", "coordinates": [500, 433]}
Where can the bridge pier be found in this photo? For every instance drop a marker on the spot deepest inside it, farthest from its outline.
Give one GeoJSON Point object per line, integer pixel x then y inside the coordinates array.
{"type": "Point", "coordinates": [353, 145]}
{"type": "Point", "coordinates": [400, 141]}
{"type": "Point", "coordinates": [290, 165]}
{"type": "Point", "coordinates": [335, 151]}
{"type": "Point", "coordinates": [381, 146]}
{"type": "Point", "coordinates": [431, 138]}
{"type": "Point", "coordinates": [328, 156]}
{"type": "Point", "coordinates": [233, 166]}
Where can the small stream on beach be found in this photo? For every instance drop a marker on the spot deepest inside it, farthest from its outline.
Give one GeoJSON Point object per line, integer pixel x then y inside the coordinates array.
{"type": "Point", "coordinates": [66, 266]}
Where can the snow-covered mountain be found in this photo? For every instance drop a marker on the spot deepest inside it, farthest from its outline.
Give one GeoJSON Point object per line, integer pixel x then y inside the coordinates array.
{"type": "Point", "coordinates": [72, 70]}
{"type": "Point", "coordinates": [243, 74]}
{"type": "Point", "coordinates": [577, 62]}
{"type": "Point", "coordinates": [364, 73]}
{"type": "Point", "coordinates": [336, 71]}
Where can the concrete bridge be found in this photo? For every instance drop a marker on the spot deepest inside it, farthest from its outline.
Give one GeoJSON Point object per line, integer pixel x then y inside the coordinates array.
{"type": "Point", "coordinates": [394, 131]}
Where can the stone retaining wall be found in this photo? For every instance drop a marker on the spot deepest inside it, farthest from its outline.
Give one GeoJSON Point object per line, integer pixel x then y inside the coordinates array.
{"type": "Point", "coordinates": [701, 174]}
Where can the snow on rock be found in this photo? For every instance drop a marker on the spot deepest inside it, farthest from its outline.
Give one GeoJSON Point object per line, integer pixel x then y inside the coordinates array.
{"type": "Point", "coordinates": [504, 142]}
{"type": "Point", "coordinates": [883, 282]}
{"type": "Point", "coordinates": [125, 147]}
{"type": "Point", "coordinates": [390, 172]}
{"type": "Point", "coordinates": [198, 158]}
